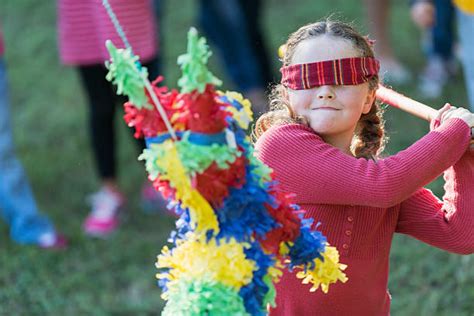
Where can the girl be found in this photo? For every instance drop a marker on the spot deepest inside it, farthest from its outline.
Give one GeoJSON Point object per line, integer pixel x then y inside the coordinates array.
{"type": "Point", "coordinates": [83, 28]}
{"type": "Point", "coordinates": [322, 138]}
{"type": "Point", "coordinates": [424, 12]}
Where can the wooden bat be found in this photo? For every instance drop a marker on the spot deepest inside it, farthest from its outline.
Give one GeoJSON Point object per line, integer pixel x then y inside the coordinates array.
{"type": "Point", "coordinates": [411, 106]}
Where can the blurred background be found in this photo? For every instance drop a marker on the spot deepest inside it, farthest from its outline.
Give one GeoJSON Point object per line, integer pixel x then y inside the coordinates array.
{"type": "Point", "coordinates": [116, 276]}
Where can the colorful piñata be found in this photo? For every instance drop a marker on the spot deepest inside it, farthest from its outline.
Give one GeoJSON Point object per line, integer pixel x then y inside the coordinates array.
{"type": "Point", "coordinates": [236, 229]}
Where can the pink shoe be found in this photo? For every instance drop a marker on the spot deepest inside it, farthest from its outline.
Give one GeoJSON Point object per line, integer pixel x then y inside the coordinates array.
{"type": "Point", "coordinates": [103, 219]}
{"type": "Point", "coordinates": [53, 241]}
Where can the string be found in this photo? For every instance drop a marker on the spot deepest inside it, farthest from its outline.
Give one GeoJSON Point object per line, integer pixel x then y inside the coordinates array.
{"type": "Point", "coordinates": [116, 23]}
{"type": "Point", "coordinates": [145, 80]}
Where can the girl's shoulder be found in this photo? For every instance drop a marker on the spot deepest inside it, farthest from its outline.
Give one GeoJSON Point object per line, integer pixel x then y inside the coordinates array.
{"type": "Point", "coordinates": [286, 133]}
{"type": "Point", "coordinates": [289, 141]}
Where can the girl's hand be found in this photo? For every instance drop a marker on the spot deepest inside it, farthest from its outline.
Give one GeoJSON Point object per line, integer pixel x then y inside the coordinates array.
{"type": "Point", "coordinates": [423, 14]}
{"type": "Point", "coordinates": [448, 112]}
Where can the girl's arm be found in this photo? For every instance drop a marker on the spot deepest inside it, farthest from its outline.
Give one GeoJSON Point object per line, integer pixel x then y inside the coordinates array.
{"type": "Point", "coordinates": [446, 224]}
{"type": "Point", "coordinates": [320, 173]}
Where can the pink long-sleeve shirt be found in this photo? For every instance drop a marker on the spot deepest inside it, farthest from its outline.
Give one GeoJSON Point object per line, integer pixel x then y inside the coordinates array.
{"type": "Point", "coordinates": [362, 203]}
{"type": "Point", "coordinates": [84, 26]}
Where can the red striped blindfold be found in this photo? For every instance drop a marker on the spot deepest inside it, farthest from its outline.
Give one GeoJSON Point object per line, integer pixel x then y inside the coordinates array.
{"type": "Point", "coordinates": [347, 71]}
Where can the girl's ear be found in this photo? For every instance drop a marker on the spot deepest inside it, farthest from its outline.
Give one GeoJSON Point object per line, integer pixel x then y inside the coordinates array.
{"type": "Point", "coordinates": [369, 100]}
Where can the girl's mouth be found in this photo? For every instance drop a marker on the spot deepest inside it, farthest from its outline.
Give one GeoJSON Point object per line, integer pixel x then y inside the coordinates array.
{"type": "Point", "coordinates": [329, 108]}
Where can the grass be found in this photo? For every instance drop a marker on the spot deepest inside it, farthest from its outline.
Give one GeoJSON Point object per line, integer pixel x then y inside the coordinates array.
{"type": "Point", "coordinates": [116, 276]}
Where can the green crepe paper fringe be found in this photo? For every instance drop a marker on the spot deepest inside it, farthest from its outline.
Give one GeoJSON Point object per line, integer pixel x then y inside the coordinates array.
{"type": "Point", "coordinates": [203, 297]}
{"type": "Point", "coordinates": [151, 155]}
{"type": "Point", "coordinates": [261, 170]}
{"type": "Point", "coordinates": [127, 75]}
{"type": "Point", "coordinates": [195, 158]}
{"type": "Point", "coordinates": [193, 65]}
{"type": "Point", "coordinates": [269, 298]}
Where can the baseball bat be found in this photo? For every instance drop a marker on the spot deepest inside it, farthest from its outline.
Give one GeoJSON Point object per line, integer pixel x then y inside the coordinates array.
{"type": "Point", "coordinates": [404, 103]}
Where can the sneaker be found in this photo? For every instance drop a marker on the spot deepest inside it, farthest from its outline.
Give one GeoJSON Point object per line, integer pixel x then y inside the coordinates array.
{"type": "Point", "coordinates": [152, 201]}
{"type": "Point", "coordinates": [53, 241]}
{"type": "Point", "coordinates": [433, 78]}
{"type": "Point", "coordinates": [103, 219]}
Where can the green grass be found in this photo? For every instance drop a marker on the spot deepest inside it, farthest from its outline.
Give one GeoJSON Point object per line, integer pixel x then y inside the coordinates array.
{"type": "Point", "coordinates": [116, 276]}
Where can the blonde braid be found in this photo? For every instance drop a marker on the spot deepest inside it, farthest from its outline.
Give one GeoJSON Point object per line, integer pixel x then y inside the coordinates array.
{"type": "Point", "coordinates": [369, 139]}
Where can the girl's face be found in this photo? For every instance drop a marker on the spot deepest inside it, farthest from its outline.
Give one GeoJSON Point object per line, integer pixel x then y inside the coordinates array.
{"type": "Point", "coordinates": [331, 111]}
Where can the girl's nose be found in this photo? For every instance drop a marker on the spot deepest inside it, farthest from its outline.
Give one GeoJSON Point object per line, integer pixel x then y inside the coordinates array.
{"type": "Point", "coordinates": [325, 92]}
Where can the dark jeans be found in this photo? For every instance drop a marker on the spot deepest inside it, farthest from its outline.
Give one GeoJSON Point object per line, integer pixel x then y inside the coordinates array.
{"type": "Point", "coordinates": [443, 31]}
{"type": "Point", "coordinates": [234, 27]}
{"type": "Point", "coordinates": [17, 203]}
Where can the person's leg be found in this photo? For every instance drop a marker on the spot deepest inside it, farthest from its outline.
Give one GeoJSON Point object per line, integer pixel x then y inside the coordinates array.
{"type": "Point", "coordinates": [378, 14]}
{"type": "Point", "coordinates": [225, 25]}
{"type": "Point", "coordinates": [17, 204]}
{"type": "Point", "coordinates": [103, 218]}
{"type": "Point", "coordinates": [440, 63]}
{"type": "Point", "coordinates": [253, 12]}
{"type": "Point", "coordinates": [465, 30]}
{"type": "Point", "coordinates": [101, 100]}
{"type": "Point", "coordinates": [443, 30]}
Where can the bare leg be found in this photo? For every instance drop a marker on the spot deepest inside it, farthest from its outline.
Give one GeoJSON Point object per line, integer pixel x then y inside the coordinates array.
{"type": "Point", "coordinates": [378, 14]}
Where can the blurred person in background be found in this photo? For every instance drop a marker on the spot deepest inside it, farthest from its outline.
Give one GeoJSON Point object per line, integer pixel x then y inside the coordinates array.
{"type": "Point", "coordinates": [391, 69]}
{"type": "Point", "coordinates": [425, 16]}
{"type": "Point", "coordinates": [437, 23]}
{"type": "Point", "coordinates": [234, 26]}
{"type": "Point", "coordinates": [84, 26]}
{"type": "Point", "coordinates": [17, 203]}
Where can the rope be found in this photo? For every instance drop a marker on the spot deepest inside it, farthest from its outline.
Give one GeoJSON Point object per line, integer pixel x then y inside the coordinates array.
{"type": "Point", "coordinates": [145, 80]}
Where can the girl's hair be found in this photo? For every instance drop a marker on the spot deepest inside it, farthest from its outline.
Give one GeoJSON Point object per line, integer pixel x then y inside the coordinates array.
{"type": "Point", "coordinates": [369, 138]}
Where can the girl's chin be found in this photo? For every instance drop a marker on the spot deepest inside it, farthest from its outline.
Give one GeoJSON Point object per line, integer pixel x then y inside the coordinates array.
{"type": "Point", "coordinates": [321, 129]}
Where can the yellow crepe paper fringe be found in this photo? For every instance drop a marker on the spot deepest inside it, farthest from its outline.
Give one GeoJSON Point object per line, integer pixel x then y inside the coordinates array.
{"type": "Point", "coordinates": [201, 213]}
{"type": "Point", "coordinates": [243, 116]}
{"type": "Point", "coordinates": [325, 272]}
{"type": "Point", "coordinates": [191, 259]}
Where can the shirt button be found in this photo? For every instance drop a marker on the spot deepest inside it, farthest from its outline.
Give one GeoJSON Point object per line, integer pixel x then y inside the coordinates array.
{"type": "Point", "coordinates": [345, 246]}
{"type": "Point", "coordinates": [350, 219]}
{"type": "Point", "coordinates": [348, 232]}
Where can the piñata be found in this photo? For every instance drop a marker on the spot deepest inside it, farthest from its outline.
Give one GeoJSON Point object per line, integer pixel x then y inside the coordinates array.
{"type": "Point", "coordinates": [236, 229]}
